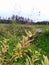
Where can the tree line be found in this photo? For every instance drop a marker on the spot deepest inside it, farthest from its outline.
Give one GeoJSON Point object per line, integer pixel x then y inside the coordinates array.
{"type": "Point", "coordinates": [21, 20]}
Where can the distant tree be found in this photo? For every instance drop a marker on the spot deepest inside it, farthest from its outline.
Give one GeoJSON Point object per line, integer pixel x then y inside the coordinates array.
{"type": "Point", "coordinates": [13, 17]}
{"type": "Point", "coordinates": [8, 18]}
{"type": "Point", "coordinates": [0, 17]}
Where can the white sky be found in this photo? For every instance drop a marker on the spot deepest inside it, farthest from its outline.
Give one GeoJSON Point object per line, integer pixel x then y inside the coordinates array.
{"type": "Point", "coordinates": [26, 8]}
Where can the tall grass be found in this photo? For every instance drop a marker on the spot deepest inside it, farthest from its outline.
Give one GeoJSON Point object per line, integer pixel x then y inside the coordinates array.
{"type": "Point", "coordinates": [21, 45]}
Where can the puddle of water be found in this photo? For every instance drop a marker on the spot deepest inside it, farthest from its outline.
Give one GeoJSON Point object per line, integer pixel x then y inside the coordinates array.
{"type": "Point", "coordinates": [38, 30]}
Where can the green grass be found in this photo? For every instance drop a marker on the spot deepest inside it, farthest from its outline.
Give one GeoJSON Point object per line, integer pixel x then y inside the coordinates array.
{"type": "Point", "coordinates": [42, 42]}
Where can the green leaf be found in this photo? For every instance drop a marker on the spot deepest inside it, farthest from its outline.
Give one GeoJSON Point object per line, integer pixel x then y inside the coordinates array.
{"type": "Point", "coordinates": [27, 62]}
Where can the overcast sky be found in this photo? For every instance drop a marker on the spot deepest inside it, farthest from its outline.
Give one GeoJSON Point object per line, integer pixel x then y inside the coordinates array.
{"type": "Point", "coordinates": [34, 9]}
